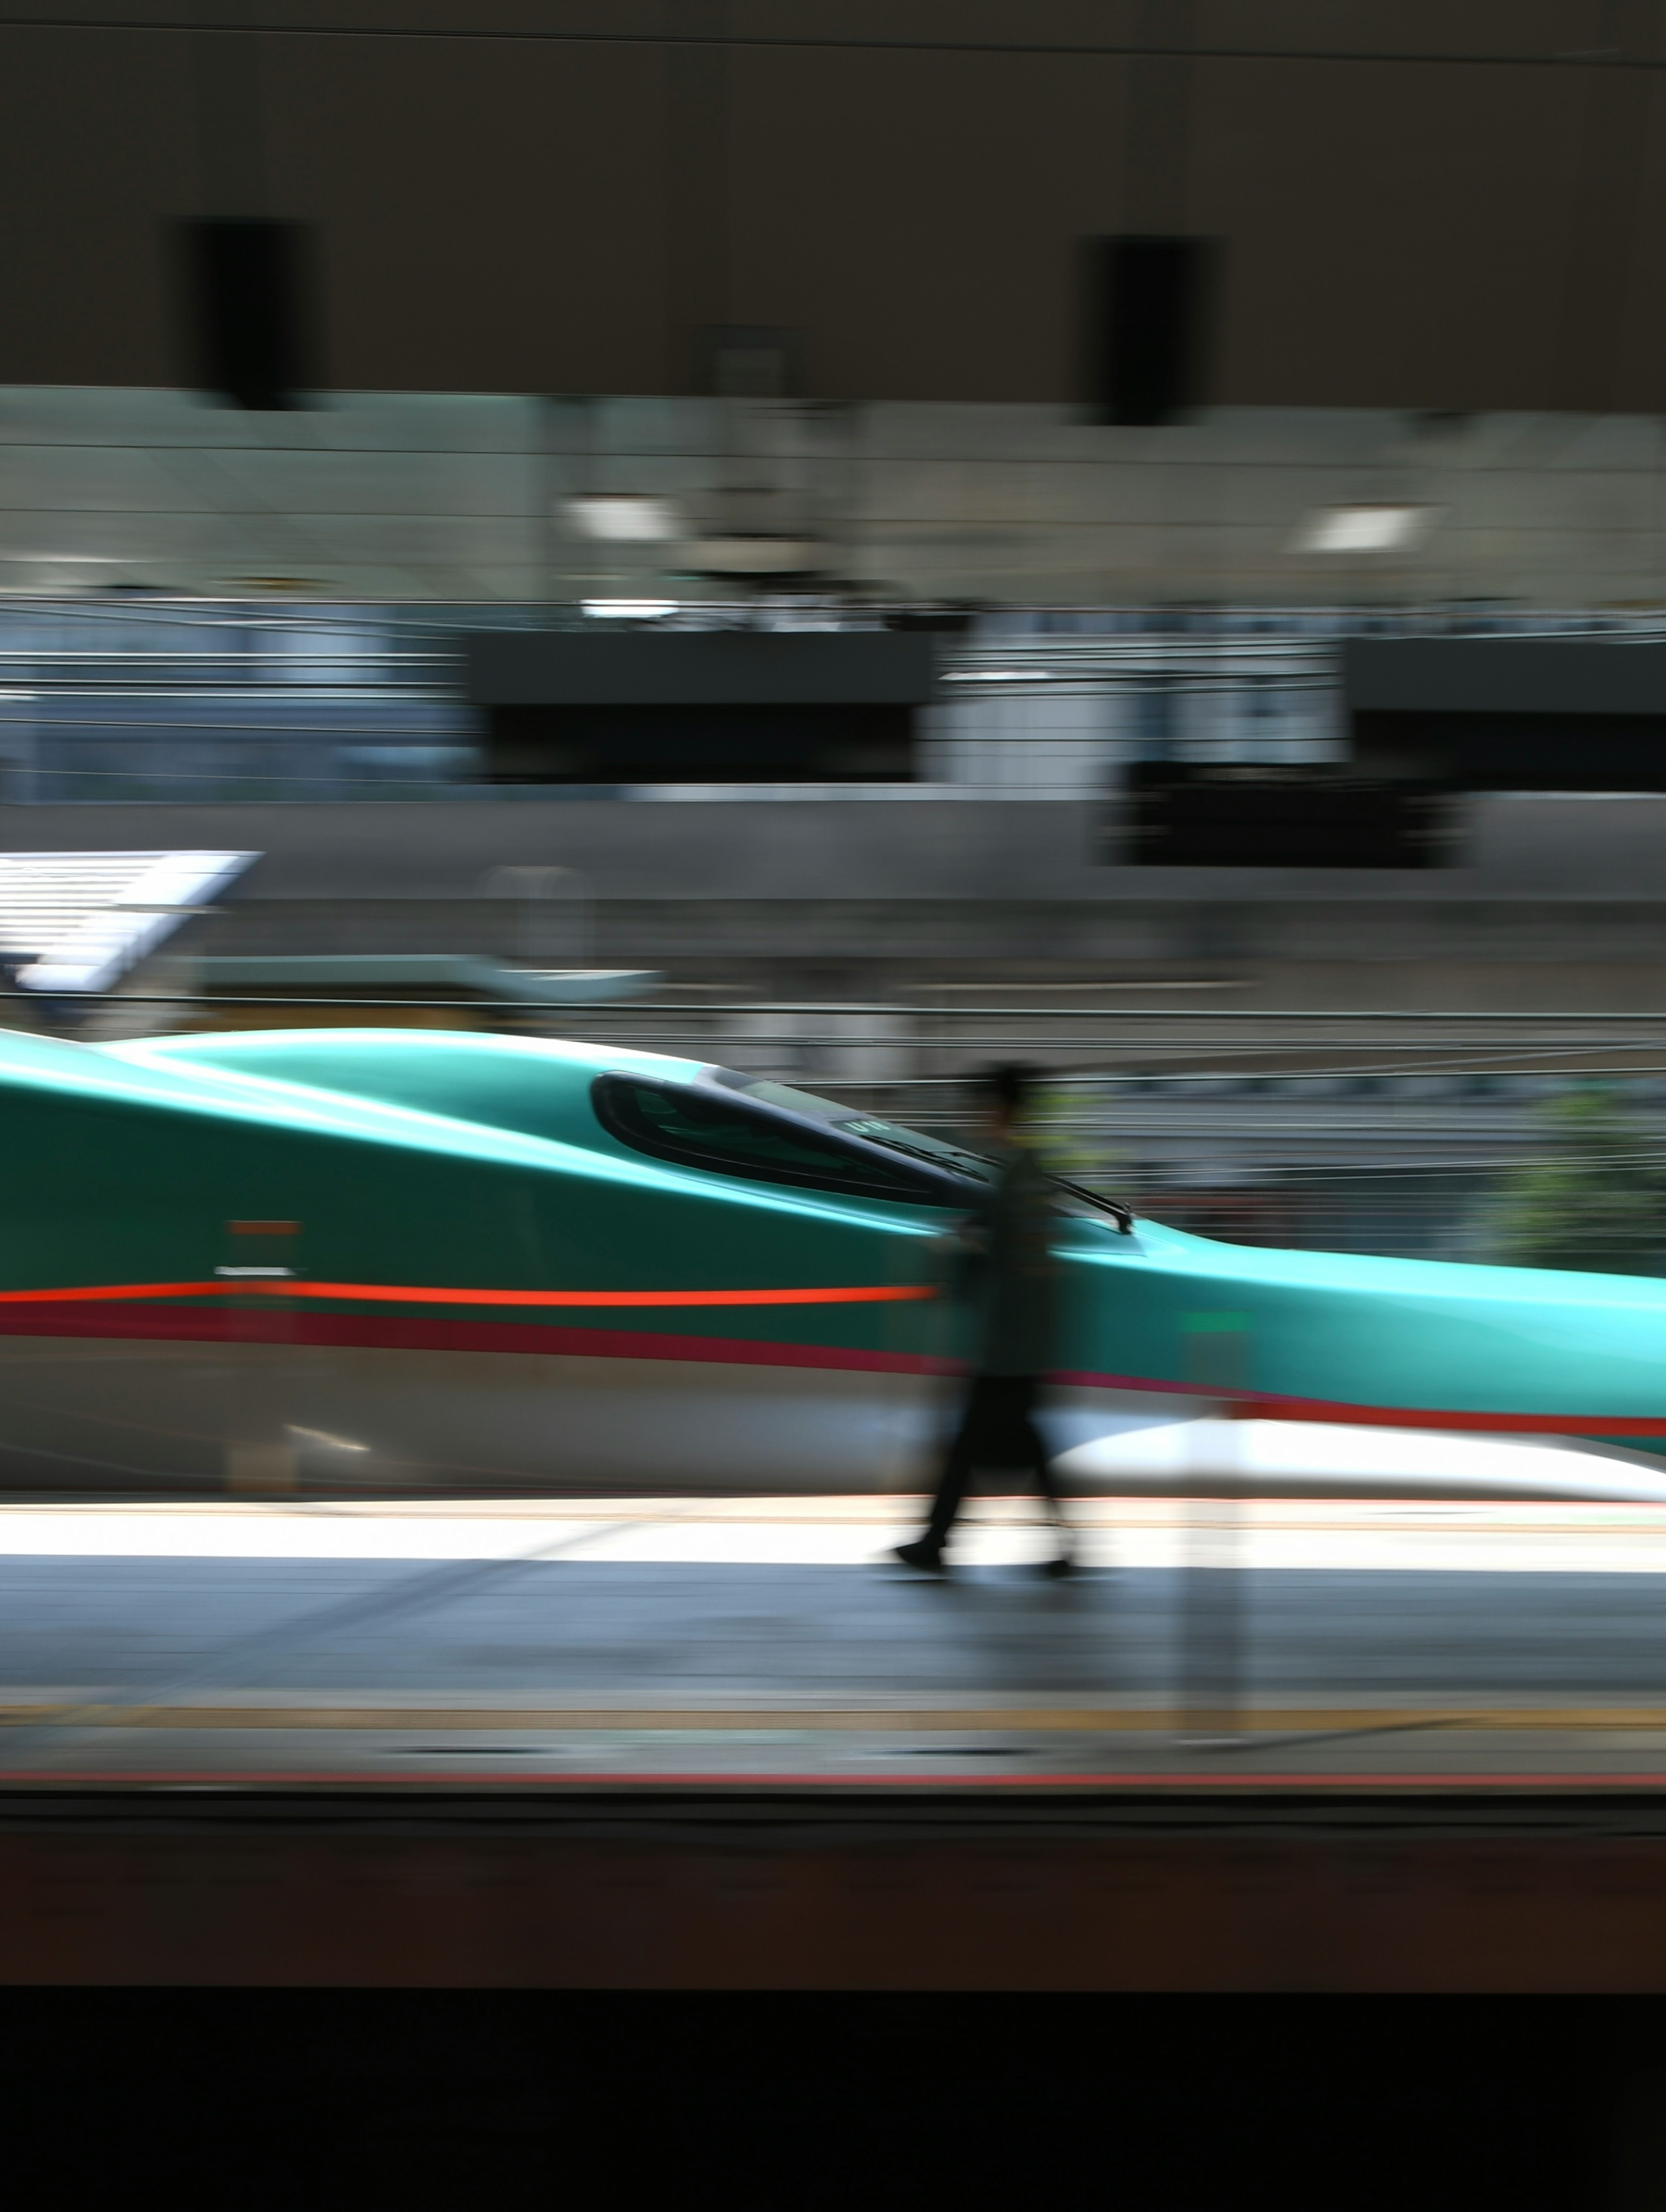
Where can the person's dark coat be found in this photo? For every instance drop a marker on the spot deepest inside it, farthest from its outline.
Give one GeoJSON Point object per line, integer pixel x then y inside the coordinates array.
{"type": "Point", "coordinates": [1010, 1273]}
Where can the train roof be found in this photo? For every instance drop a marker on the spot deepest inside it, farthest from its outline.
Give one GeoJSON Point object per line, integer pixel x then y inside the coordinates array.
{"type": "Point", "coordinates": [527, 1086]}
{"type": "Point", "coordinates": [487, 1097]}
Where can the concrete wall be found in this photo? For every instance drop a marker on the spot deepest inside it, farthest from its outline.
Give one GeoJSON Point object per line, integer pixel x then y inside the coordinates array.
{"type": "Point", "coordinates": [462, 496]}
{"type": "Point", "coordinates": [1447, 207]}
{"type": "Point", "coordinates": [1562, 906]}
{"type": "Point", "coordinates": [914, 849]}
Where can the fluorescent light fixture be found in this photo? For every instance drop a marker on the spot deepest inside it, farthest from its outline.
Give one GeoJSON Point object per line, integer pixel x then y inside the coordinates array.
{"type": "Point", "coordinates": [998, 675]}
{"type": "Point", "coordinates": [1363, 528]}
{"type": "Point", "coordinates": [628, 609]}
{"type": "Point", "coordinates": [623, 515]}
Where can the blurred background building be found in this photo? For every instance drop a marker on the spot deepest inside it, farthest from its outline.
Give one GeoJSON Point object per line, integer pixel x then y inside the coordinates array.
{"type": "Point", "coordinates": [1140, 371]}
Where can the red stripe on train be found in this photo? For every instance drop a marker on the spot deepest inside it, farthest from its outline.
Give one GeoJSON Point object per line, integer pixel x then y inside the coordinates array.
{"type": "Point", "coordinates": [440, 1294]}
{"type": "Point", "coordinates": [215, 1325]}
{"type": "Point", "coordinates": [389, 1333]}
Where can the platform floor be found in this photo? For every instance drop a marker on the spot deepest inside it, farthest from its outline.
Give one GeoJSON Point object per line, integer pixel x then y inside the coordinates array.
{"type": "Point", "coordinates": [761, 1641]}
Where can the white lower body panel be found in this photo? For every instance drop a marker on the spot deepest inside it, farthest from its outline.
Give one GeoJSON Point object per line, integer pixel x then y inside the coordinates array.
{"type": "Point", "coordinates": [103, 1415]}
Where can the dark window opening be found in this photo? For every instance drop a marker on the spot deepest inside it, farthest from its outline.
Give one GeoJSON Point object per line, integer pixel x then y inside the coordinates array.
{"type": "Point", "coordinates": [249, 299]}
{"type": "Point", "coordinates": [838, 742]}
{"type": "Point", "coordinates": [1147, 327]}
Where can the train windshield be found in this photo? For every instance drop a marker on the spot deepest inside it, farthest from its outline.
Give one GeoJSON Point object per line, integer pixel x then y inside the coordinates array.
{"type": "Point", "coordinates": [935, 1151]}
{"type": "Point", "coordinates": [674, 1122]}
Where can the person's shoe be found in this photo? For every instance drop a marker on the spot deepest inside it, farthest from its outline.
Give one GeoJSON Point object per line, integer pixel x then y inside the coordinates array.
{"type": "Point", "coordinates": [1059, 1570]}
{"type": "Point", "coordinates": [924, 1557]}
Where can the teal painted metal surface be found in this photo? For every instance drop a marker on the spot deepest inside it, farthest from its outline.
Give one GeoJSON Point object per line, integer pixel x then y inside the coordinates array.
{"type": "Point", "coordinates": [1413, 1333]}
{"type": "Point", "coordinates": [440, 1159]}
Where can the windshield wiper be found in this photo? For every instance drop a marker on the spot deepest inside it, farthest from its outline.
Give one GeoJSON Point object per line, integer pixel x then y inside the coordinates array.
{"type": "Point", "coordinates": [974, 1163]}
{"type": "Point", "coordinates": [956, 1163]}
{"type": "Point", "coordinates": [1120, 1214]}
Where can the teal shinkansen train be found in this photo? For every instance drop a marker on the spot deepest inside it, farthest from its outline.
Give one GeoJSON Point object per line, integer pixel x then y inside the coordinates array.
{"type": "Point", "coordinates": [416, 1258]}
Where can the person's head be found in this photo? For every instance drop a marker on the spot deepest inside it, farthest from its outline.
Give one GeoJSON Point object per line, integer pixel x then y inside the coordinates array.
{"type": "Point", "coordinates": [1004, 1094]}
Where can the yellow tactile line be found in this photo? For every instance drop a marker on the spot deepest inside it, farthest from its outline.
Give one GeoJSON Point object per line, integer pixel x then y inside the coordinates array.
{"type": "Point", "coordinates": [955, 1720]}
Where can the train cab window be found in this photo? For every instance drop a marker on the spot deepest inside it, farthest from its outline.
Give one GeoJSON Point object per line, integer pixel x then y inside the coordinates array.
{"type": "Point", "coordinates": [936, 1152]}
{"type": "Point", "coordinates": [698, 1131]}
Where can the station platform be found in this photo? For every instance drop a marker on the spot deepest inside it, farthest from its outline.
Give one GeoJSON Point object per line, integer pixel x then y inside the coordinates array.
{"type": "Point", "coordinates": [753, 1641]}
{"type": "Point", "coordinates": [721, 1742]}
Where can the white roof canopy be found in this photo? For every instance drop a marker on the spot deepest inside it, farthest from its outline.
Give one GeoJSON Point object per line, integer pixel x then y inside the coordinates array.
{"type": "Point", "coordinates": [80, 920]}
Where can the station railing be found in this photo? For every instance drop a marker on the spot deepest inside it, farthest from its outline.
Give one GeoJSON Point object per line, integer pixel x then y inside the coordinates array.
{"type": "Point", "coordinates": [228, 701]}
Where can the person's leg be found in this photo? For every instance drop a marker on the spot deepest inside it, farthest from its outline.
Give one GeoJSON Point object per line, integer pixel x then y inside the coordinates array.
{"type": "Point", "coordinates": [953, 1482]}
{"type": "Point", "coordinates": [1038, 1459]}
{"type": "Point", "coordinates": [959, 1465]}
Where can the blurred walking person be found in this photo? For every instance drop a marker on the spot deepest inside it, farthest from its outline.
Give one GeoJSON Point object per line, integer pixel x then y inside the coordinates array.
{"type": "Point", "coordinates": [1007, 1278]}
